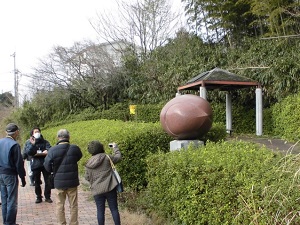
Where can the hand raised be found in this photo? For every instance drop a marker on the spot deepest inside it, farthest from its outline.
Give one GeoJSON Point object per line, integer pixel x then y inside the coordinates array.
{"type": "Point", "coordinates": [32, 140]}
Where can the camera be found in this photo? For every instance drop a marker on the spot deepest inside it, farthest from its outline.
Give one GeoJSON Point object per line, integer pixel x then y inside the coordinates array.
{"type": "Point", "coordinates": [110, 145]}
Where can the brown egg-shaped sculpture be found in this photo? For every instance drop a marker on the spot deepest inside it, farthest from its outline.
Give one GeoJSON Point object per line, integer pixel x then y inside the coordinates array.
{"type": "Point", "coordinates": [186, 117]}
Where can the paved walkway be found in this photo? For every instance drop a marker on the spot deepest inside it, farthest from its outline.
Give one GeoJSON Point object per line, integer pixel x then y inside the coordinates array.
{"type": "Point", "coordinates": [273, 143]}
{"type": "Point", "coordinates": [30, 213]}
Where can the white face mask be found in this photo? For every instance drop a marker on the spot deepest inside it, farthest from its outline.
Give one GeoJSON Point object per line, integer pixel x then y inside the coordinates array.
{"type": "Point", "coordinates": [37, 135]}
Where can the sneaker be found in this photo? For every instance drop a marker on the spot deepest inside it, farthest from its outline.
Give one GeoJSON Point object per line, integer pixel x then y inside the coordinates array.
{"type": "Point", "coordinates": [49, 200]}
{"type": "Point", "coordinates": [38, 200]}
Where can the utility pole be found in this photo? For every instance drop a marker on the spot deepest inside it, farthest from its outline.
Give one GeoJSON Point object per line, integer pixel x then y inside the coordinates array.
{"type": "Point", "coordinates": [16, 102]}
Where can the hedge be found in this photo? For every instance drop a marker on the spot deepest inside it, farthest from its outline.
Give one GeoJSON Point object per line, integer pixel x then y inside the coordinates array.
{"type": "Point", "coordinates": [224, 183]}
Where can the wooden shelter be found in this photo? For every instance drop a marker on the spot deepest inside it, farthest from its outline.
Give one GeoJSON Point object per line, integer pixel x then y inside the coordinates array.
{"type": "Point", "coordinates": [226, 81]}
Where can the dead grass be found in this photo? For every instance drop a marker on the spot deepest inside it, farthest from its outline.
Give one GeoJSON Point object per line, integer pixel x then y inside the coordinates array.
{"type": "Point", "coordinates": [129, 218]}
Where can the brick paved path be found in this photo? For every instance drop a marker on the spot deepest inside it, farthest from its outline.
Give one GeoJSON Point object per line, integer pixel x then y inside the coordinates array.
{"type": "Point", "coordinates": [44, 213]}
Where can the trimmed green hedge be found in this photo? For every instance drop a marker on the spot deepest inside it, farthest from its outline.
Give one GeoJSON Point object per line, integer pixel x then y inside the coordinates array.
{"type": "Point", "coordinates": [224, 183]}
{"type": "Point", "coordinates": [136, 141]}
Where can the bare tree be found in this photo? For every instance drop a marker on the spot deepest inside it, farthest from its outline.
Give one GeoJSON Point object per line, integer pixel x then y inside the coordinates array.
{"type": "Point", "coordinates": [85, 70]}
{"type": "Point", "coordinates": [142, 24]}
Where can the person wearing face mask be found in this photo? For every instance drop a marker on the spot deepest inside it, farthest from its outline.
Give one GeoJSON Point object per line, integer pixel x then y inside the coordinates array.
{"type": "Point", "coordinates": [36, 148]}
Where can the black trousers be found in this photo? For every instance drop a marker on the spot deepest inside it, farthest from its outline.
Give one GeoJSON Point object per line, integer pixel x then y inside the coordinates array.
{"type": "Point", "coordinates": [37, 178]}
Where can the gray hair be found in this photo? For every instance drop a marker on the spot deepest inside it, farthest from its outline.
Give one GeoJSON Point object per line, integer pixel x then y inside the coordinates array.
{"type": "Point", "coordinates": [63, 134]}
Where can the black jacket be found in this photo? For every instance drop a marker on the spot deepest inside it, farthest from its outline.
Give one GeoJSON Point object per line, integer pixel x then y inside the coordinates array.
{"type": "Point", "coordinates": [30, 152]}
{"type": "Point", "coordinates": [67, 174]}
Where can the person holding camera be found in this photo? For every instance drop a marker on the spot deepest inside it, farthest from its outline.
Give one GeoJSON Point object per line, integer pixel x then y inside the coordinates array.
{"type": "Point", "coordinates": [36, 147]}
{"type": "Point", "coordinates": [98, 172]}
{"type": "Point", "coordinates": [11, 165]}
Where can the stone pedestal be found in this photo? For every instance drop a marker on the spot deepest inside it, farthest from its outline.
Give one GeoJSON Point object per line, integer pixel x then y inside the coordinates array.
{"type": "Point", "coordinates": [179, 144]}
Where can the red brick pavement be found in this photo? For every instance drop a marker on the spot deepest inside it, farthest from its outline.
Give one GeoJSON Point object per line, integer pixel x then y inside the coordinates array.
{"type": "Point", "coordinates": [44, 213]}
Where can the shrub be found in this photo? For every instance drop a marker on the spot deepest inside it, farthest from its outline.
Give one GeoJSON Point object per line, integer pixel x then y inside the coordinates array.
{"type": "Point", "coordinates": [268, 124]}
{"type": "Point", "coordinates": [286, 116]}
{"type": "Point", "coordinates": [136, 141]}
{"type": "Point", "coordinates": [216, 133]}
{"type": "Point", "coordinates": [243, 118]}
{"type": "Point", "coordinates": [223, 183]}
{"type": "Point", "coordinates": [148, 113]}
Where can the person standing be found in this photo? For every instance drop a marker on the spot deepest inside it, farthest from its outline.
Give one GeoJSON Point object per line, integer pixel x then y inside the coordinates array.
{"type": "Point", "coordinates": [98, 172]}
{"type": "Point", "coordinates": [37, 148]}
{"type": "Point", "coordinates": [28, 162]}
{"type": "Point", "coordinates": [11, 165]}
{"type": "Point", "coordinates": [62, 159]}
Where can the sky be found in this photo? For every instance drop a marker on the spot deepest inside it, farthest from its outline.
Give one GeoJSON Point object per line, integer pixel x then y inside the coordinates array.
{"type": "Point", "coordinates": [31, 28]}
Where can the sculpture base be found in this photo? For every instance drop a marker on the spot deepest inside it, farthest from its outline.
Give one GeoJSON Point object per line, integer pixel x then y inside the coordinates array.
{"type": "Point", "coordinates": [179, 144]}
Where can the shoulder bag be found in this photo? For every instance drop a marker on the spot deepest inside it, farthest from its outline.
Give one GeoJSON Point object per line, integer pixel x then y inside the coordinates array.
{"type": "Point", "coordinates": [52, 175]}
{"type": "Point", "coordinates": [116, 175]}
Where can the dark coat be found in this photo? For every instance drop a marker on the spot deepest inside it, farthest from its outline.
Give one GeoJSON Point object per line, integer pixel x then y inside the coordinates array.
{"type": "Point", "coordinates": [66, 167]}
{"type": "Point", "coordinates": [30, 152]}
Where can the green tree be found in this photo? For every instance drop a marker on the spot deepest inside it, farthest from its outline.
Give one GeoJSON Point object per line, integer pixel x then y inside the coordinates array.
{"type": "Point", "coordinates": [157, 78]}
{"type": "Point", "coordinates": [277, 17]}
{"type": "Point", "coordinates": [218, 20]}
{"type": "Point", "coordinates": [215, 20]}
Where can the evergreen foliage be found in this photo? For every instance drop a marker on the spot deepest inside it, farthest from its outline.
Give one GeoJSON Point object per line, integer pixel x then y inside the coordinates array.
{"type": "Point", "coordinates": [286, 116]}
{"type": "Point", "coordinates": [154, 81]}
{"type": "Point", "coordinates": [136, 141]}
{"type": "Point", "coordinates": [228, 21]}
{"type": "Point", "coordinates": [223, 183]}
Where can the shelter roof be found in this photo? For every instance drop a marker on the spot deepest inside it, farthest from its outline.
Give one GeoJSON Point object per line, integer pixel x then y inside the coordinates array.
{"type": "Point", "coordinates": [218, 79]}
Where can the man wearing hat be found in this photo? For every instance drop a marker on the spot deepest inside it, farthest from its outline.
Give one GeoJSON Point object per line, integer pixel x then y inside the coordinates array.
{"type": "Point", "coordinates": [11, 165]}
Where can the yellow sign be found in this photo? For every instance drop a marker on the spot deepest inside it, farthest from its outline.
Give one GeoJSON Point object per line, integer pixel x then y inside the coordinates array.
{"type": "Point", "coordinates": [132, 109]}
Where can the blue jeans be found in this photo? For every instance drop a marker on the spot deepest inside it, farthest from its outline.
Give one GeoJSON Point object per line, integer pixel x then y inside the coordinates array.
{"type": "Point", "coordinates": [9, 197]}
{"type": "Point", "coordinates": [112, 200]}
